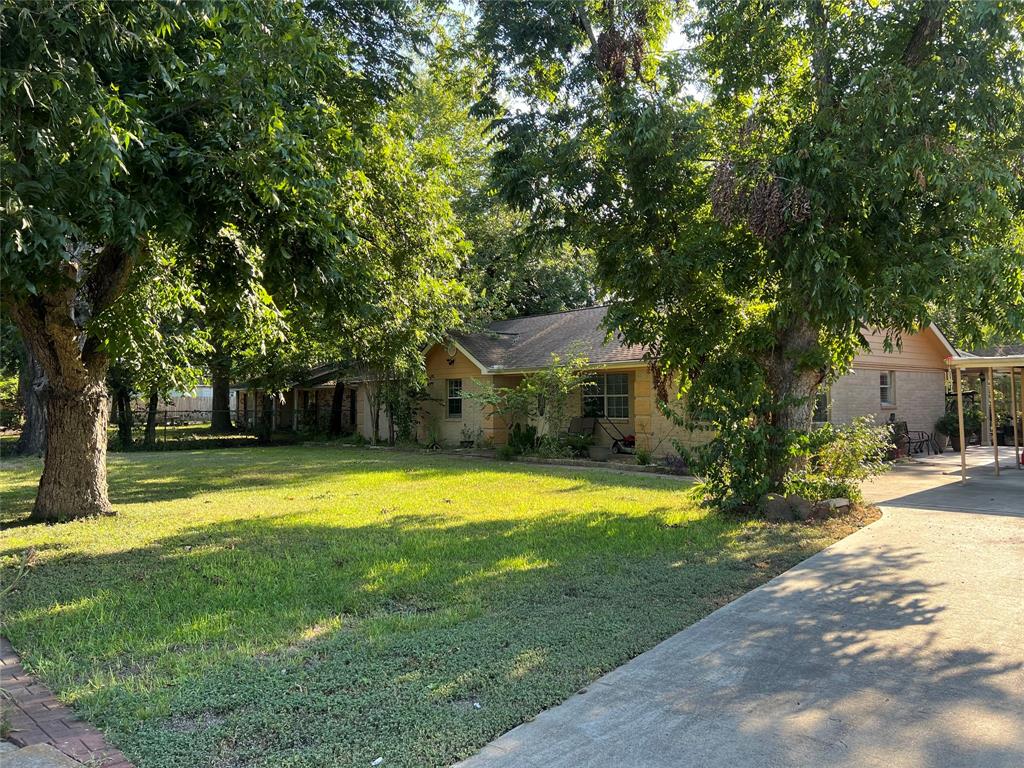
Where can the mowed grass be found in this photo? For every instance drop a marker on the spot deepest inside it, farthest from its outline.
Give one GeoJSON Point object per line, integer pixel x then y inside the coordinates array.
{"type": "Point", "coordinates": [326, 606]}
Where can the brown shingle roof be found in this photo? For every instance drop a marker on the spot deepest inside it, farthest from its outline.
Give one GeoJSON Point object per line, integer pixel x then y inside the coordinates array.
{"type": "Point", "coordinates": [999, 350]}
{"type": "Point", "coordinates": [527, 343]}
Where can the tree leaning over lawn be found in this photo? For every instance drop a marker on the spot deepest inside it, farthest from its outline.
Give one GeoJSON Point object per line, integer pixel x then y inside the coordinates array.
{"type": "Point", "coordinates": [843, 165]}
{"type": "Point", "coordinates": [127, 123]}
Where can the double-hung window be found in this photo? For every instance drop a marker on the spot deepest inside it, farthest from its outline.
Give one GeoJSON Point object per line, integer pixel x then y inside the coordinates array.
{"type": "Point", "coordinates": [887, 387]}
{"type": "Point", "coordinates": [607, 395]}
{"type": "Point", "coordinates": [454, 398]}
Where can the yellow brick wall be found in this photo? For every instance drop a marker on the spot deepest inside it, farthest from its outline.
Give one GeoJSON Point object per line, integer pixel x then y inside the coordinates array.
{"type": "Point", "coordinates": [476, 418]}
{"type": "Point", "coordinates": [655, 431]}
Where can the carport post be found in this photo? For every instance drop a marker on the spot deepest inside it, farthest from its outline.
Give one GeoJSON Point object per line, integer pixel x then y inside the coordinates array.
{"type": "Point", "coordinates": [960, 418]}
{"type": "Point", "coordinates": [1013, 415]}
{"type": "Point", "coordinates": [992, 423]}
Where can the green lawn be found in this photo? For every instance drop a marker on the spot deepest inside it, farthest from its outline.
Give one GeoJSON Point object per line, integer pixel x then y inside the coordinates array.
{"type": "Point", "coordinates": [325, 606]}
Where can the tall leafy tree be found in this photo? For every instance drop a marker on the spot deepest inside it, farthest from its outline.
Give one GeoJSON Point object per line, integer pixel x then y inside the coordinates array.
{"type": "Point", "coordinates": [157, 340]}
{"type": "Point", "coordinates": [373, 43]}
{"type": "Point", "coordinates": [510, 268]}
{"type": "Point", "coordinates": [130, 123]}
{"type": "Point", "coordinates": [410, 242]}
{"type": "Point", "coordinates": [805, 168]}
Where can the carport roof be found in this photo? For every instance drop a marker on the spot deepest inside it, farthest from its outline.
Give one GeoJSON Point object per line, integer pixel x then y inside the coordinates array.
{"type": "Point", "coordinates": [996, 362]}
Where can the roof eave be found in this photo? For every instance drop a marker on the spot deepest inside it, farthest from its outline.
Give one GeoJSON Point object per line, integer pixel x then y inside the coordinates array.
{"type": "Point", "coordinates": [997, 361]}
{"type": "Point", "coordinates": [942, 338]}
{"type": "Point", "coordinates": [497, 370]}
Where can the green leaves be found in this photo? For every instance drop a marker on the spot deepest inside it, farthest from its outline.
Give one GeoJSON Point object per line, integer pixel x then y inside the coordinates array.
{"type": "Point", "coordinates": [838, 167]}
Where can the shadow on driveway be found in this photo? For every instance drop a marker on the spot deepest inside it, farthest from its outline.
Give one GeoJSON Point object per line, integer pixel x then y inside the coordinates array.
{"type": "Point", "coordinates": [900, 645]}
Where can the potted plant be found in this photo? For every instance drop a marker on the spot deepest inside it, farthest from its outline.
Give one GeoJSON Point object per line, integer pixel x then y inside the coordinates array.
{"type": "Point", "coordinates": [948, 426]}
{"type": "Point", "coordinates": [468, 438]}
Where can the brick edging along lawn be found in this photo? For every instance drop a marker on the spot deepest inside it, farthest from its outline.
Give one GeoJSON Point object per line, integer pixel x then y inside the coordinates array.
{"type": "Point", "coordinates": [33, 715]}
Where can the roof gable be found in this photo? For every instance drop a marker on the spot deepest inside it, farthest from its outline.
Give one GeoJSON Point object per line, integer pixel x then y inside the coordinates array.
{"type": "Point", "coordinates": [528, 343]}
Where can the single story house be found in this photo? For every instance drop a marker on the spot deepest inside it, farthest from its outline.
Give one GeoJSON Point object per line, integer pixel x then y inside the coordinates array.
{"type": "Point", "coordinates": [908, 384]}
{"type": "Point", "coordinates": [306, 404]}
{"type": "Point", "coordinates": [622, 396]}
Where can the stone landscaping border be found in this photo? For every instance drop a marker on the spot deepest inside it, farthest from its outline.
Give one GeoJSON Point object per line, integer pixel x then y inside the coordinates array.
{"type": "Point", "coordinates": [34, 716]}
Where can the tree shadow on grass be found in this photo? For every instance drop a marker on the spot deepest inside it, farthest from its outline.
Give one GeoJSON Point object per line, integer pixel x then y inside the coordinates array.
{"type": "Point", "coordinates": [169, 476]}
{"type": "Point", "coordinates": [271, 641]}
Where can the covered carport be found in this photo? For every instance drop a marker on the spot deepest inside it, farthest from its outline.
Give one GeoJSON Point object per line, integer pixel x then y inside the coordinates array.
{"type": "Point", "coordinates": [990, 367]}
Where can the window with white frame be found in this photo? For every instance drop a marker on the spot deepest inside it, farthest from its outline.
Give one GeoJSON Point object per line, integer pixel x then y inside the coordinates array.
{"type": "Point", "coordinates": [454, 398]}
{"type": "Point", "coordinates": [887, 387]}
{"type": "Point", "coordinates": [607, 395]}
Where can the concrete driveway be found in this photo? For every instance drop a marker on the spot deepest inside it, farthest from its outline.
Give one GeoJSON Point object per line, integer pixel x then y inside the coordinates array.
{"type": "Point", "coordinates": [901, 646]}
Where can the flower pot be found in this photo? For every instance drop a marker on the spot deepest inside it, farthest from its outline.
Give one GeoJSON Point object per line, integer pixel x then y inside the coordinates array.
{"type": "Point", "coordinates": [466, 444]}
{"type": "Point", "coordinates": [954, 441]}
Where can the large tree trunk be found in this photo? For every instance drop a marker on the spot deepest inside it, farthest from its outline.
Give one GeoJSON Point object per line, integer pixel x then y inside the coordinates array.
{"type": "Point", "coordinates": [792, 385]}
{"type": "Point", "coordinates": [149, 441]}
{"type": "Point", "coordinates": [54, 326]}
{"type": "Point", "coordinates": [74, 481]}
{"type": "Point", "coordinates": [35, 392]}
{"type": "Point", "coordinates": [337, 409]}
{"type": "Point", "coordinates": [220, 375]}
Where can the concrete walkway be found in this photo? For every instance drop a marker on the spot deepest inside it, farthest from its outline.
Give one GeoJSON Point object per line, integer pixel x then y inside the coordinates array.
{"type": "Point", "coordinates": [901, 646]}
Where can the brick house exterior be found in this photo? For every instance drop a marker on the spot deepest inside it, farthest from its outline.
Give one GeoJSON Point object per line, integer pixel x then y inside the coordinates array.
{"type": "Point", "coordinates": [907, 384]}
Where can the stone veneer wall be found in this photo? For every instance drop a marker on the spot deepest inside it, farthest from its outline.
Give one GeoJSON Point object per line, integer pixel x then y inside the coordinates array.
{"type": "Point", "coordinates": [654, 431]}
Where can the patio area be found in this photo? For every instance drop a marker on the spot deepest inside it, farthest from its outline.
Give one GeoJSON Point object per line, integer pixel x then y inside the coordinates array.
{"type": "Point", "coordinates": [988, 368]}
{"type": "Point", "coordinates": [935, 483]}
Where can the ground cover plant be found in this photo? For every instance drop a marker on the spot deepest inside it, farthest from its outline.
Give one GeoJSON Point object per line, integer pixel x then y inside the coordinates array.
{"type": "Point", "coordinates": [315, 606]}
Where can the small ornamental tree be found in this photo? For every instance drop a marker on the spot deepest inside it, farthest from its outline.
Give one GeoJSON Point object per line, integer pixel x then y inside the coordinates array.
{"type": "Point", "coordinates": [543, 396]}
{"type": "Point", "coordinates": [799, 170]}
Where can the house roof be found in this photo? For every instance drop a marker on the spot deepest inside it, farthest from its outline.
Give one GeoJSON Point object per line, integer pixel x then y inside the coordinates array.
{"type": "Point", "coordinates": [527, 343]}
{"type": "Point", "coordinates": [322, 374]}
{"type": "Point", "coordinates": [319, 376]}
{"type": "Point", "coordinates": [999, 350]}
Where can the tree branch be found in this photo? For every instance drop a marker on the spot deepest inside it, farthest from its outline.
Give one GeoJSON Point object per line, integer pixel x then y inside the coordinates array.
{"type": "Point", "coordinates": [584, 20]}
{"type": "Point", "coordinates": [821, 57]}
{"type": "Point", "coordinates": [928, 27]}
{"type": "Point", "coordinates": [108, 278]}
